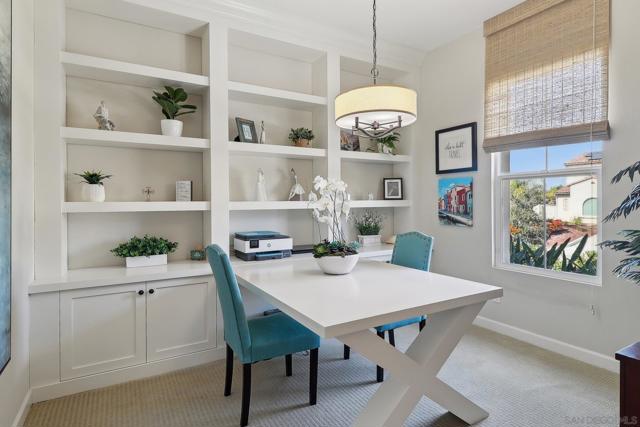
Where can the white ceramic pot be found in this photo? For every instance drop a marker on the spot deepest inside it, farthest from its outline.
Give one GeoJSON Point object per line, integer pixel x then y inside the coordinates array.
{"type": "Point", "coordinates": [369, 240]}
{"type": "Point", "coordinates": [337, 264]}
{"type": "Point", "coordinates": [384, 149]}
{"type": "Point", "coordinates": [171, 127]}
{"type": "Point", "coordinates": [146, 261]}
{"type": "Point", "coordinates": [93, 192]}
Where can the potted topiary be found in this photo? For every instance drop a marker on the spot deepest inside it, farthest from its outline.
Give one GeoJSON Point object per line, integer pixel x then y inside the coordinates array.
{"type": "Point", "coordinates": [301, 137]}
{"type": "Point", "coordinates": [332, 208]}
{"type": "Point", "coordinates": [368, 224]}
{"type": "Point", "coordinates": [171, 108]}
{"type": "Point", "coordinates": [92, 185]}
{"type": "Point", "coordinates": [145, 252]}
{"type": "Point", "coordinates": [387, 144]}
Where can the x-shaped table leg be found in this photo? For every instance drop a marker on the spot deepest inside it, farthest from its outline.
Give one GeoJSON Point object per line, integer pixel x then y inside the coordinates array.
{"type": "Point", "coordinates": [413, 374]}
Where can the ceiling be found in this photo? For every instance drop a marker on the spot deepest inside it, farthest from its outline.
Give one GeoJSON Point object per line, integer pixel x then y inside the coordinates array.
{"type": "Point", "coordinates": [419, 24]}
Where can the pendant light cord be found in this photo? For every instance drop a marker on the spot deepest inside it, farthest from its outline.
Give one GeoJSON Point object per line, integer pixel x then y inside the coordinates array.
{"type": "Point", "coordinates": [374, 70]}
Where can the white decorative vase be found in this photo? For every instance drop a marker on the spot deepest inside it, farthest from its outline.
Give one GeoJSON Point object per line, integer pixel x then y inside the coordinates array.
{"type": "Point", "coordinates": [93, 192]}
{"type": "Point", "coordinates": [337, 265]}
{"type": "Point", "coordinates": [384, 149]}
{"type": "Point", "coordinates": [369, 240]}
{"type": "Point", "coordinates": [171, 127]}
{"type": "Point", "coordinates": [146, 261]}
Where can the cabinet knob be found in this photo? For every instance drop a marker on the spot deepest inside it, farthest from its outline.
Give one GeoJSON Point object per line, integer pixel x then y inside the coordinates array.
{"type": "Point", "coordinates": [151, 291]}
{"type": "Point", "coordinates": [140, 292]}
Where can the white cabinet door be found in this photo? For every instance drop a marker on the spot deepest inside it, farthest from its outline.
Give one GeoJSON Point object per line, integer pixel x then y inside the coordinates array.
{"type": "Point", "coordinates": [101, 329]}
{"type": "Point", "coordinates": [181, 317]}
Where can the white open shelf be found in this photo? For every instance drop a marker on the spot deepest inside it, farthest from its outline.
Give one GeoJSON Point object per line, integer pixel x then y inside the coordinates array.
{"type": "Point", "coordinates": [269, 150]}
{"type": "Point", "coordinates": [267, 206]}
{"type": "Point", "coordinates": [109, 70]}
{"type": "Point", "coordinates": [365, 157]}
{"type": "Point", "coordinates": [107, 138]}
{"type": "Point", "coordinates": [380, 203]}
{"type": "Point", "coordinates": [246, 92]}
{"type": "Point", "coordinates": [103, 207]}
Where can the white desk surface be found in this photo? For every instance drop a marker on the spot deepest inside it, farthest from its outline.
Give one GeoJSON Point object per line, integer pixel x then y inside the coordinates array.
{"type": "Point", "coordinates": [375, 293]}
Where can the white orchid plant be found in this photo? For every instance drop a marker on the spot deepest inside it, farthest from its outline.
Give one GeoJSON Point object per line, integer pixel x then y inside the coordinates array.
{"type": "Point", "coordinates": [331, 205]}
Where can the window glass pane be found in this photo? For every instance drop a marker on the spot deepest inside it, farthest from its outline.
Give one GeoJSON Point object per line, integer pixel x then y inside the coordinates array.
{"type": "Point", "coordinates": [526, 224]}
{"type": "Point", "coordinates": [572, 224]}
{"type": "Point", "coordinates": [526, 160]}
{"type": "Point", "coordinates": [574, 155]}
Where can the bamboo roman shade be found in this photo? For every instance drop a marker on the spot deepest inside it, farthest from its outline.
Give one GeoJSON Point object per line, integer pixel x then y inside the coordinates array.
{"type": "Point", "coordinates": [546, 75]}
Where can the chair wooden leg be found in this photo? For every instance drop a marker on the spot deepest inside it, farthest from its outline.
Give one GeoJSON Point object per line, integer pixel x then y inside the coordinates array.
{"type": "Point", "coordinates": [347, 352]}
{"type": "Point", "coordinates": [423, 323]}
{"type": "Point", "coordinates": [228, 378]}
{"type": "Point", "coordinates": [313, 377]}
{"type": "Point", "coordinates": [288, 365]}
{"type": "Point", "coordinates": [246, 394]}
{"type": "Point", "coordinates": [392, 337]}
{"type": "Point", "coordinates": [379, 369]}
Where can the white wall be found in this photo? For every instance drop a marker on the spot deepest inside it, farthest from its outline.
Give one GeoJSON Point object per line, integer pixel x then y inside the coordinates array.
{"type": "Point", "coordinates": [14, 381]}
{"type": "Point", "coordinates": [452, 93]}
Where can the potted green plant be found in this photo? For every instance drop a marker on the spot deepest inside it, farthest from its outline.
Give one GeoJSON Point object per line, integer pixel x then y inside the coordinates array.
{"type": "Point", "coordinates": [301, 137]}
{"type": "Point", "coordinates": [387, 144]}
{"type": "Point", "coordinates": [368, 224]}
{"type": "Point", "coordinates": [332, 208]}
{"type": "Point", "coordinates": [92, 185]}
{"type": "Point", "coordinates": [170, 100]}
{"type": "Point", "coordinates": [146, 251]}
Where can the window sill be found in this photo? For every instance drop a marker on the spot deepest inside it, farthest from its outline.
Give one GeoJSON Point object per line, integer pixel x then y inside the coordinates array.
{"type": "Point", "coordinates": [555, 275]}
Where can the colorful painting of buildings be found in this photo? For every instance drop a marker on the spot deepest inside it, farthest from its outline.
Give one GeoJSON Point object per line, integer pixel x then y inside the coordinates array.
{"type": "Point", "coordinates": [455, 201]}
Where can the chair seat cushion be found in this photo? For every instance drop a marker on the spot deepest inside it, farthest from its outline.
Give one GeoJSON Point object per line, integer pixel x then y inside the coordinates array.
{"type": "Point", "coordinates": [277, 335]}
{"type": "Point", "coordinates": [401, 323]}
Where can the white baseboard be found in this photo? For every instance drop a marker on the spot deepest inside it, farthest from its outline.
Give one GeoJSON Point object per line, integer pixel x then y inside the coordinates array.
{"type": "Point", "coordinates": [21, 416]}
{"type": "Point", "coordinates": [77, 385]}
{"type": "Point", "coordinates": [582, 354]}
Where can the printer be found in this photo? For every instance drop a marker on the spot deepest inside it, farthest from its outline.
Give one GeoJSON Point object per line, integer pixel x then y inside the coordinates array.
{"type": "Point", "coordinates": [262, 245]}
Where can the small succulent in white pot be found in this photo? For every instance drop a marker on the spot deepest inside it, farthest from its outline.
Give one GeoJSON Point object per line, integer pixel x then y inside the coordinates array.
{"type": "Point", "coordinates": [93, 185]}
{"type": "Point", "coordinates": [170, 100]}
{"type": "Point", "coordinates": [368, 224]}
{"type": "Point", "coordinates": [387, 144]}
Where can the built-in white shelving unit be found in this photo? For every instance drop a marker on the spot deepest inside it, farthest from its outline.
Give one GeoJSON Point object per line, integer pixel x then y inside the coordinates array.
{"type": "Point", "coordinates": [281, 151]}
{"type": "Point", "coordinates": [96, 207]}
{"type": "Point", "coordinates": [267, 206]}
{"type": "Point", "coordinates": [367, 157]}
{"type": "Point", "coordinates": [380, 204]}
{"type": "Point", "coordinates": [276, 97]}
{"type": "Point", "coordinates": [81, 136]}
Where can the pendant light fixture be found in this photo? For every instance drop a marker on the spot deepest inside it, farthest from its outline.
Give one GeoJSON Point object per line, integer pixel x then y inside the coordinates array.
{"type": "Point", "coordinates": [376, 110]}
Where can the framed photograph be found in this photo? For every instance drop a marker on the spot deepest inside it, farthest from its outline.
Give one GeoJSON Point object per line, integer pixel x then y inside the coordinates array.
{"type": "Point", "coordinates": [393, 189]}
{"type": "Point", "coordinates": [456, 149]}
{"type": "Point", "coordinates": [349, 141]}
{"type": "Point", "coordinates": [5, 183]}
{"type": "Point", "coordinates": [455, 201]}
{"type": "Point", "coordinates": [246, 130]}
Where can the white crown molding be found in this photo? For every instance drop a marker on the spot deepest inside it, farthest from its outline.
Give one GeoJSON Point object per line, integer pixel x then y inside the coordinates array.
{"type": "Point", "coordinates": [287, 28]}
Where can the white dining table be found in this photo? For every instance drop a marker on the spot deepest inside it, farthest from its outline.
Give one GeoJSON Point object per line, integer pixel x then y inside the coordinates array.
{"type": "Point", "coordinates": [375, 293]}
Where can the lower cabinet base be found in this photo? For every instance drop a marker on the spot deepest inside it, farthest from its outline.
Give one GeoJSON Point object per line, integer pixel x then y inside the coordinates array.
{"type": "Point", "coordinates": [119, 376]}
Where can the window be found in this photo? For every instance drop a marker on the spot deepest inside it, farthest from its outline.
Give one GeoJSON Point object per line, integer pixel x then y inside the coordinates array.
{"type": "Point", "coordinates": [546, 210]}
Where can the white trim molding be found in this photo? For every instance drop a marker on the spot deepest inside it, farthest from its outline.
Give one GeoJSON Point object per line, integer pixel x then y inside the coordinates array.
{"type": "Point", "coordinates": [21, 416]}
{"type": "Point", "coordinates": [574, 352]}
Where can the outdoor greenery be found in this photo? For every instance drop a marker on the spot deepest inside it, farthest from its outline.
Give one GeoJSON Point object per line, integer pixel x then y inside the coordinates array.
{"type": "Point", "coordinates": [93, 177]}
{"type": "Point", "coordinates": [389, 140]}
{"type": "Point", "coordinates": [525, 222]}
{"type": "Point", "coordinates": [556, 258]}
{"type": "Point", "coordinates": [147, 246]}
{"type": "Point", "coordinates": [336, 248]}
{"type": "Point", "coordinates": [629, 267]}
{"type": "Point", "coordinates": [369, 223]}
{"type": "Point", "coordinates": [170, 101]}
{"type": "Point", "coordinates": [301, 133]}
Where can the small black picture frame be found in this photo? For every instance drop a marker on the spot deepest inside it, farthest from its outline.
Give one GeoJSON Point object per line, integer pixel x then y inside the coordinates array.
{"type": "Point", "coordinates": [457, 149]}
{"type": "Point", "coordinates": [392, 188]}
{"type": "Point", "coordinates": [246, 130]}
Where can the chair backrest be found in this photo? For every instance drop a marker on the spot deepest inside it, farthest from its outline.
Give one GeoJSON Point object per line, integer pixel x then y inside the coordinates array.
{"type": "Point", "coordinates": [236, 328]}
{"type": "Point", "coordinates": [413, 250]}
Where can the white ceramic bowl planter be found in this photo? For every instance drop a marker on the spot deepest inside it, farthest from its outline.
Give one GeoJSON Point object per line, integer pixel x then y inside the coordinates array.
{"type": "Point", "coordinates": [93, 192]}
{"type": "Point", "coordinates": [146, 261]}
{"type": "Point", "coordinates": [337, 265]}
{"type": "Point", "coordinates": [171, 127]}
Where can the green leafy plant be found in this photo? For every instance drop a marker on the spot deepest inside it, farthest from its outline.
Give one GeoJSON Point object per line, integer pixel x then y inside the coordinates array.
{"type": "Point", "coordinates": [336, 248]}
{"type": "Point", "coordinates": [523, 254]}
{"type": "Point", "coordinates": [389, 140]}
{"type": "Point", "coordinates": [170, 101]}
{"type": "Point", "coordinates": [301, 133]}
{"type": "Point", "coordinates": [629, 266]}
{"type": "Point", "coordinates": [146, 246]}
{"type": "Point", "coordinates": [369, 223]}
{"type": "Point", "coordinates": [93, 177]}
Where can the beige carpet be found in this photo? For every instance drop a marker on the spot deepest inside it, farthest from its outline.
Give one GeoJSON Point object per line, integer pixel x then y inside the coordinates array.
{"type": "Point", "coordinates": [520, 385]}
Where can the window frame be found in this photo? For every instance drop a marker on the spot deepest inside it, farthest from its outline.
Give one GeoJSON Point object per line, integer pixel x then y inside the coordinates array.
{"type": "Point", "coordinates": [500, 218]}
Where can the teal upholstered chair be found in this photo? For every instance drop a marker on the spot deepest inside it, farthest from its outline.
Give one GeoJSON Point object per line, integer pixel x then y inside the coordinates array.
{"type": "Point", "coordinates": [257, 339]}
{"type": "Point", "coordinates": [411, 250]}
